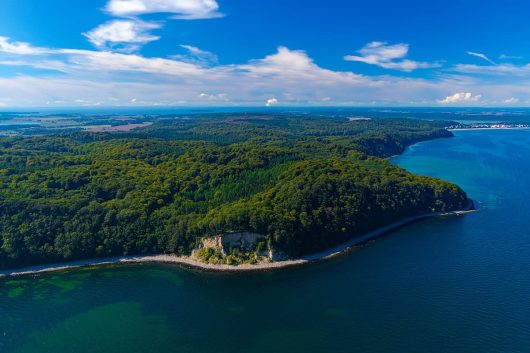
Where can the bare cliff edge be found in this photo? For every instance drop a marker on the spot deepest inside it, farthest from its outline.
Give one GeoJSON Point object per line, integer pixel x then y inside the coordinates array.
{"type": "Point", "coordinates": [267, 258]}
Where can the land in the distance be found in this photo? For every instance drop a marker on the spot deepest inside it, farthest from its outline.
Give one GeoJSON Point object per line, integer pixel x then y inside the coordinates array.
{"type": "Point", "coordinates": [488, 125]}
{"type": "Point", "coordinates": [296, 185]}
{"type": "Point", "coordinates": [114, 120]}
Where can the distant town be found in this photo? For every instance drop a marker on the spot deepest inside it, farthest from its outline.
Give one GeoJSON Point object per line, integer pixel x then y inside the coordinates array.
{"type": "Point", "coordinates": [484, 125]}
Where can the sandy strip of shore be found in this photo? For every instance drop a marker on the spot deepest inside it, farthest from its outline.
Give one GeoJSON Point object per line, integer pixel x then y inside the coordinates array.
{"type": "Point", "coordinates": [191, 262]}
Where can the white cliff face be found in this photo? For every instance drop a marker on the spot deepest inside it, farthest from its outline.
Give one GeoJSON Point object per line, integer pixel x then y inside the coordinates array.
{"type": "Point", "coordinates": [212, 242]}
{"type": "Point", "coordinates": [244, 241]}
{"type": "Point", "coordinates": [276, 255]}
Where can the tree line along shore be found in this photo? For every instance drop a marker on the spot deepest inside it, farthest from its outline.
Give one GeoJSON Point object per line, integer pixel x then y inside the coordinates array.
{"type": "Point", "coordinates": [196, 263]}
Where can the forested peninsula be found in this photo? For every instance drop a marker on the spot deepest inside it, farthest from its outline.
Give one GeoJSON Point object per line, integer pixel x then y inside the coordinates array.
{"type": "Point", "coordinates": [304, 183]}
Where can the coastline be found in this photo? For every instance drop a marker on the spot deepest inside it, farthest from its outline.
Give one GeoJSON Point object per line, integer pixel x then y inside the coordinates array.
{"type": "Point", "coordinates": [190, 262]}
{"type": "Point", "coordinates": [490, 128]}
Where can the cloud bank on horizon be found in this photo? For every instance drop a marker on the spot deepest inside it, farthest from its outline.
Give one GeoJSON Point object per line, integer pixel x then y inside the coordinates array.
{"type": "Point", "coordinates": [116, 72]}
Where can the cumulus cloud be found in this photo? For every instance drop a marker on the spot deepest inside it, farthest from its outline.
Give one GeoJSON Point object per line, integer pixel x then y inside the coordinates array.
{"type": "Point", "coordinates": [511, 100]}
{"type": "Point", "coordinates": [130, 33]}
{"type": "Point", "coordinates": [214, 97]}
{"type": "Point", "coordinates": [19, 48]}
{"type": "Point", "coordinates": [293, 67]}
{"type": "Point", "coordinates": [181, 9]}
{"type": "Point", "coordinates": [482, 56]}
{"type": "Point", "coordinates": [290, 76]}
{"type": "Point", "coordinates": [271, 101]}
{"type": "Point", "coordinates": [284, 61]}
{"type": "Point", "coordinates": [97, 75]}
{"type": "Point", "coordinates": [462, 97]}
{"type": "Point", "coordinates": [123, 33]}
{"type": "Point", "coordinates": [389, 57]}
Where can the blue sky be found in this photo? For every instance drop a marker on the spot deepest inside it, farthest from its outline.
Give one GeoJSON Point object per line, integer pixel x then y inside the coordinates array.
{"type": "Point", "coordinates": [63, 53]}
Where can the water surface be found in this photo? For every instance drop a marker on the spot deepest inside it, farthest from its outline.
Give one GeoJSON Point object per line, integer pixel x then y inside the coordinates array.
{"type": "Point", "coordinates": [442, 285]}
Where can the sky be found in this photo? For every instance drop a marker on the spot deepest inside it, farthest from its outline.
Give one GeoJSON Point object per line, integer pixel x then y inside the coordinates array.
{"type": "Point", "coordinates": [172, 53]}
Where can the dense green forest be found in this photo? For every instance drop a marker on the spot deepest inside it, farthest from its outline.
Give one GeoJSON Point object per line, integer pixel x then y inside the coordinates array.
{"type": "Point", "coordinates": [307, 183]}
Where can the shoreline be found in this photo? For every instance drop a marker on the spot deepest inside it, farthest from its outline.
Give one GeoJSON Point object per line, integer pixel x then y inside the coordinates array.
{"type": "Point", "coordinates": [490, 128]}
{"type": "Point", "coordinates": [189, 262]}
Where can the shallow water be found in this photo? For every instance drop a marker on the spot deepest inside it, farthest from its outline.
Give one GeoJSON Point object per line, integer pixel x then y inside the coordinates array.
{"type": "Point", "coordinates": [450, 285]}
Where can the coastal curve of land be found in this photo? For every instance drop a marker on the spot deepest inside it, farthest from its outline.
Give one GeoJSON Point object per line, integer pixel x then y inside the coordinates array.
{"type": "Point", "coordinates": [190, 262]}
{"type": "Point", "coordinates": [295, 186]}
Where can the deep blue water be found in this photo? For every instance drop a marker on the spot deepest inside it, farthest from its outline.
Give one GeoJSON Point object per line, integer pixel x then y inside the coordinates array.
{"type": "Point", "coordinates": [442, 285]}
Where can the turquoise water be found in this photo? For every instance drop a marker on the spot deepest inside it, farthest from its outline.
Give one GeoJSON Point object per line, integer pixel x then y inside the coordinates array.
{"type": "Point", "coordinates": [442, 285]}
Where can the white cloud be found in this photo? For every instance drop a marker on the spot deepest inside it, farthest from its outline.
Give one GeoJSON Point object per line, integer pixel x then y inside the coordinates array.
{"type": "Point", "coordinates": [87, 60]}
{"type": "Point", "coordinates": [511, 100]}
{"type": "Point", "coordinates": [289, 76]}
{"type": "Point", "coordinates": [52, 65]}
{"type": "Point", "coordinates": [122, 32]}
{"type": "Point", "coordinates": [181, 9]}
{"type": "Point", "coordinates": [20, 48]}
{"type": "Point", "coordinates": [482, 56]}
{"type": "Point", "coordinates": [389, 57]}
{"type": "Point", "coordinates": [462, 97]}
{"type": "Point", "coordinates": [197, 56]}
{"type": "Point", "coordinates": [290, 68]}
{"type": "Point", "coordinates": [284, 61]}
{"type": "Point", "coordinates": [214, 97]}
{"type": "Point", "coordinates": [199, 52]}
{"type": "Point", "coordinates": [506, 70]}
{"type": "Point", "coordinates": [130, 33]}
{"type": "Point", "coordinates": [507, 57]}
{"type": "Point", "coordinates": [271, 101]}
